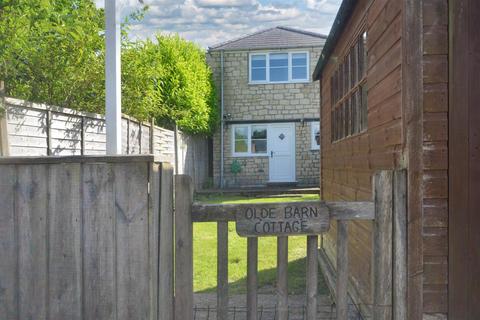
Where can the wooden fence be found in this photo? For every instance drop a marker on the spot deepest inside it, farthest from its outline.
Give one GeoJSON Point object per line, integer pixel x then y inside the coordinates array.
{"type": "Point", "coordinates": [79, 237]}
{"type": "Point", "coordinates": [387, 210]}
{"type": "Point", "coordinates": [104, 238]}
{"type": "Point", "coordinates": [32, 129]}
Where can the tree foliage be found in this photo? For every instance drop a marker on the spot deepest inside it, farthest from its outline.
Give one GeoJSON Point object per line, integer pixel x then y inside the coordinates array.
{"type": "Point", "coordinates": [53, 51]}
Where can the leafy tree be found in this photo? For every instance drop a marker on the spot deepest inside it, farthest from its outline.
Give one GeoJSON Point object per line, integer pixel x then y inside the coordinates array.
{"type": "Point", "coordinates": [52, 51]}
{"type": "Point", "coordinates": [169, 78]}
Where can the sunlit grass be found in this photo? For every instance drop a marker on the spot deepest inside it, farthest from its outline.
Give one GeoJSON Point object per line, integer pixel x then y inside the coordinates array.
{"type": "Point", "coordinates": [205, 253]}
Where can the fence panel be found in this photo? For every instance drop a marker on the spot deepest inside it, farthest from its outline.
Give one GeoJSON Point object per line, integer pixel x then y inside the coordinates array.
{"type": "Point", "coordinates": [80, 235]}
{"type": "Point", "coordinates": [37, 130]}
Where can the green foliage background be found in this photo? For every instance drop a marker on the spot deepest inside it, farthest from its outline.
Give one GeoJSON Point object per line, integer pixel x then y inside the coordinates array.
{"type": "Point", "coordinates": [53, 51]}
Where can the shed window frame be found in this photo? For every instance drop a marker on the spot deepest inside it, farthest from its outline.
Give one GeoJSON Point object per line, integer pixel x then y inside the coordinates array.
{"type": "Point", "coordinates": [290, 79]}
{"type": "Point", "coordinates": [349, 109]}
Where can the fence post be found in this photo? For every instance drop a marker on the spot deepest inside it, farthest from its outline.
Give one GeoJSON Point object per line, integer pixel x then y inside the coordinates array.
{"type": "Point", "coordinates": [183, 247]}
{"type": "Point", "coordinates": [400, 245]}
{"type": "Point", "coordinates": [4, 146]}
{"type": "Point", "coordinates": [166, 243]}
{"type": "Point", "coordinates": [342, 270]}
{"type": "Point", "coordinates": [152, 136]}
{"type": "Point", "coordinates": [222, 270]}
{"type": "Point", "coordinates": [282, 277]}
{"type": "Point", "coordinates": [82, 136]}
{"type": "Point", "coordinates": [312, 276]}
{"type": "Point", "coordinates": [252, 273]}
{"type": "Point", "coordinates": [175, 145]}
{"type": "Point", "coordinates": [382, 247]}
{"type": "Point", "coordinates": [49, 133]}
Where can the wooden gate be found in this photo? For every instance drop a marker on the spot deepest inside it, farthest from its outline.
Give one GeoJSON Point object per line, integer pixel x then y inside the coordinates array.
{"type": "Point", "coordinates": [387, 211]}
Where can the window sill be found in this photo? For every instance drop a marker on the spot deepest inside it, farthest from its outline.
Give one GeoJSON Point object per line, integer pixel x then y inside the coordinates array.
{"type": "Point", "coordinates": [250, 155]}
{"type": "Point", "coordinates": [350, 136]}
{"type": "Point", "coordinates": [278, 82]}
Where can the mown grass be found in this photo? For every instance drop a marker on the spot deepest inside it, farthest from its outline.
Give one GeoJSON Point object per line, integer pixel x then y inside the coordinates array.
{"type": "Point", "coordinates": [205, 254]}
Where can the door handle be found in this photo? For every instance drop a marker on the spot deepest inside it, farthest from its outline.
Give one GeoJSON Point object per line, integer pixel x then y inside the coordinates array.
{"type": "Point", "coordinates": [271, 154]}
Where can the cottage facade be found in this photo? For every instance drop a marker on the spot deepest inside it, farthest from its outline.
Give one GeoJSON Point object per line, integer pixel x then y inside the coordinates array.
{"type": "Point", "coordinates": [396, 92]}
{"type": "Point", "coordinates": [270, 112]}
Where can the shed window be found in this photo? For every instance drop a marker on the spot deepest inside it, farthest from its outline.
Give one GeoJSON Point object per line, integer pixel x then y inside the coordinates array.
{"type": "Point", "coordinates": [349, 92]}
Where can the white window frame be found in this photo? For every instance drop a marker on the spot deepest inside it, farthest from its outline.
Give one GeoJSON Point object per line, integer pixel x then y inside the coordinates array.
{"type": "Point", "coordinates": [313, 127]}
{"type": "Point", "coordinates": [267, 57]}
{"type": "Point", "coordinates": [249, 153]}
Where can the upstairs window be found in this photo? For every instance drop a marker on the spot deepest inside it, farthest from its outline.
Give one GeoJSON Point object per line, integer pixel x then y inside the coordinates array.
{"type": "Point", "coordinates": [279, 67]}
{"type": "Point", "coordinates": [349, 92]}
{"type": "Point", "coordinates": [258, 67]}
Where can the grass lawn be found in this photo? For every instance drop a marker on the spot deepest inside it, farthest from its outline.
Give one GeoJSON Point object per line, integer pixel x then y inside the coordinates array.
{"type": "Point", "coordinates": [205, 254]}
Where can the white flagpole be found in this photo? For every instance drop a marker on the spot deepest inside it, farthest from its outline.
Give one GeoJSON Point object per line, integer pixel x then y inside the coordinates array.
{"type": "Point", "coordinates": [113, 102]}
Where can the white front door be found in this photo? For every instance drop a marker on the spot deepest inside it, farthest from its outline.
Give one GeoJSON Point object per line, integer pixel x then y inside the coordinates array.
{"type": "Point", "coordinates": [281, 142]}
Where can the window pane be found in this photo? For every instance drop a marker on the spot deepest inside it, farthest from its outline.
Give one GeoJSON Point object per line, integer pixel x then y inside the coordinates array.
{"type": "Point", "coordinates": [259, 146]}
{"type": "Point", "coordinates": [299, 59]}
{"type": "Point", "coordinates": [241, 146]}
{"type": "Point", "coordinates": [279, 60]}
{"type": "Point", "coordinates": [279, 74]}
{"type": "Point", "coordinates": [259, 132]}
{"type": "Point", "coordinates": [259, 61]}
{"type": "Point", "coordinates": [259, 74]}
{"type": "Point", "coordinates": [299, 73]}
{"type": "Point", "coordinates": [241, 133]}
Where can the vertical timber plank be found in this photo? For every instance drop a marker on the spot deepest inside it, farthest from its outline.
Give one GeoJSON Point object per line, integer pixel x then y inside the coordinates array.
{"type": "Point", "coordinates": [166, 243]}
{"type": "Point", "coordinates": [154, 234]}
{"type": "Point", "coordinates": [312, 276]}
{"type": "Point", "coordinates": [8, 244]}
{"type": "Point", "coordinates": [183, 248]}
{"type": "Point", "coordinates": [31, 211]}
{"type": "Point", "coordinates": [282, 277]}
{"type": "Point", "coordinates": [133, 276]}
{"type": "Point", "coordinates": [252, 282]}
{"type": "Point", "coordinates": [222, 270]}
{"type": "Point", "coordinates": [342, 270]}
{"type": "Point", "coordinates": [99, 241]}
{"type": "Point", "coordinates": [382, 248]}
{"type": "Point", "coordinates": [400, 245]}
{"type": "Point", "coordinates": [64, 240]}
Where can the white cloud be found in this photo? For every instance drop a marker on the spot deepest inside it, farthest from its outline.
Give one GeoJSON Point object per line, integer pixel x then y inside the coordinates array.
{"type": "Point", "coordinates": [209, 22]}
{"type": "Point", "coordinates": [224, 3]}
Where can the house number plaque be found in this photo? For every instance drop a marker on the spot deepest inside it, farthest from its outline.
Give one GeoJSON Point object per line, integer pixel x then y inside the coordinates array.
{"type": "Point", "coordinates": [277, 219]}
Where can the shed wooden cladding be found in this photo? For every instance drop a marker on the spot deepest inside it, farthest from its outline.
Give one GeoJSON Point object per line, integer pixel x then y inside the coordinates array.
{"type": "Point", "coordinates": [78, 239]}
{"type": "Point", "coordinates": [407, 94]}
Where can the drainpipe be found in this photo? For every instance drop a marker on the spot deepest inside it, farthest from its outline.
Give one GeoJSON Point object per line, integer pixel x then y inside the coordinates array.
{"type": "Point", "coordinates": [222, 120]}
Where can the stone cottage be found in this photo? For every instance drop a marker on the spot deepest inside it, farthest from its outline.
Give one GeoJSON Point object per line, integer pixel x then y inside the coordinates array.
{"type": "Point", "coordinates": [269, 132]}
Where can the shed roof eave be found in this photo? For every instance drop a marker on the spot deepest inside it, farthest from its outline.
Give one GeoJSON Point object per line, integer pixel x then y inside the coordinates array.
{"type": "Point", "coordinates": [344, 13]}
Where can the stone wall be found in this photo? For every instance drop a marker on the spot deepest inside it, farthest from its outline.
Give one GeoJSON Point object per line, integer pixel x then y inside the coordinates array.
{"type": "Point", "coordinates": [283, 101]}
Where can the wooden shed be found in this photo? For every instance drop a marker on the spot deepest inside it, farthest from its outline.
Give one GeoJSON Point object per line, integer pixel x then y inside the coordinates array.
{"type": "Point", "coordinates": [400, 89]}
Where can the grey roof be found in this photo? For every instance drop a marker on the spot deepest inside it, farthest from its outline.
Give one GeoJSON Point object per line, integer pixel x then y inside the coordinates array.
{"type": "Point", "coordinates": [274, 38]}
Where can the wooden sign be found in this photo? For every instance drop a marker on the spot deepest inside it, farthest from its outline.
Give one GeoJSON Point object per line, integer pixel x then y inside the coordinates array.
{"type": "Point", "coordinates": [287, 218]}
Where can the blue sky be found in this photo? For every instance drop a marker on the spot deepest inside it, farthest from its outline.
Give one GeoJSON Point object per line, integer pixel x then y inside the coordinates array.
{"type": "Point", "coordinates": [209, 22]}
